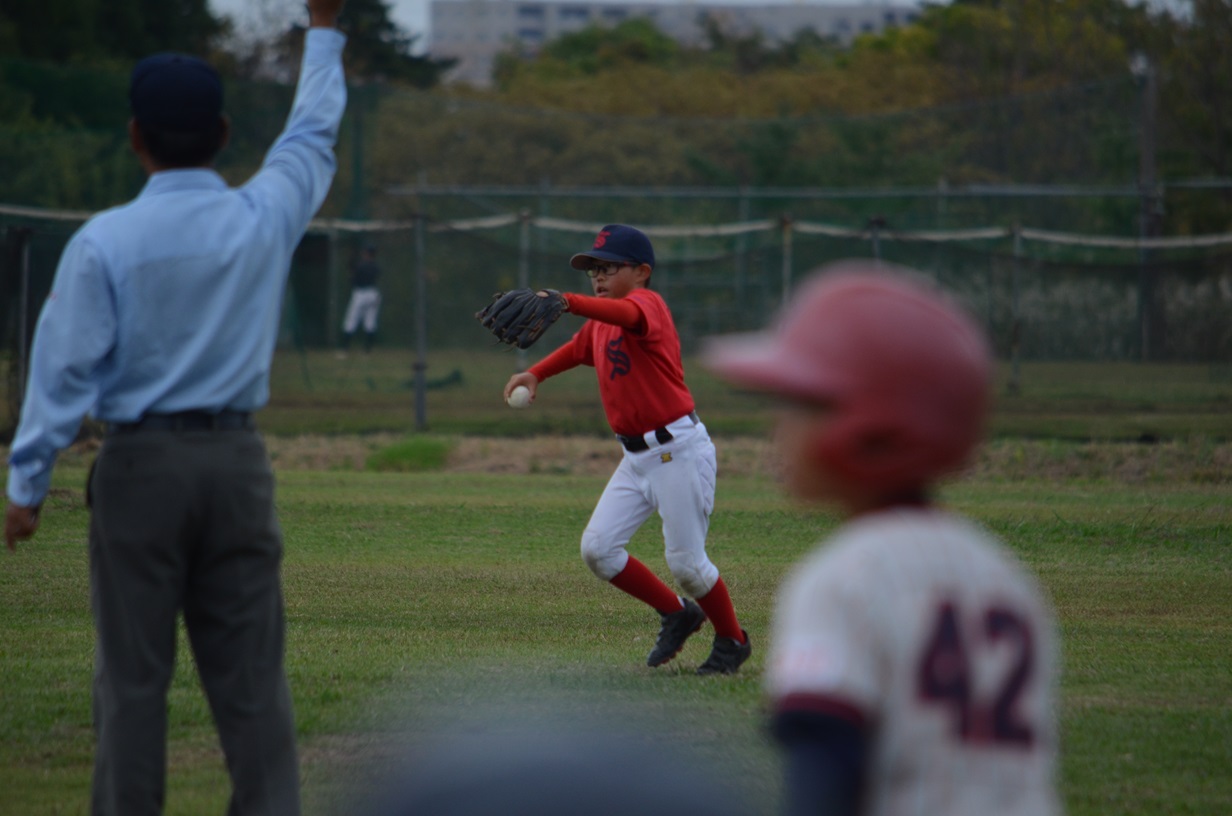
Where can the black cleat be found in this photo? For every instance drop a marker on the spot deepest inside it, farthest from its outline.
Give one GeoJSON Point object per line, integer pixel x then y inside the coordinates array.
{"type": "Point", "coordinates": [727, 655]}
{"type": "Point", "coordinates": [675, 631]}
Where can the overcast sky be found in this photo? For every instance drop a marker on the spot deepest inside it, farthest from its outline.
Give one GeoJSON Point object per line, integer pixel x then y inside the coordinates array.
{"type": "Point", "coordinates": [411, 15]}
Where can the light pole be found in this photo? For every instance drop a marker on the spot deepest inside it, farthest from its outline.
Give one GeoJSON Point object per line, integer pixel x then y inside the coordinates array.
{"type": "Point", "coordinates": [1143, 71]}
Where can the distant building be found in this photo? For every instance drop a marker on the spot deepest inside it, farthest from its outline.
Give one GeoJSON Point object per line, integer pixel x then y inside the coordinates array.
{"type": "Point", "coordinates": [475, 31]}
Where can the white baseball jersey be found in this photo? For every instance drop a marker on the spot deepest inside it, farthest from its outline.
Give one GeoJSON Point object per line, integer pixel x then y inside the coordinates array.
{"type": "Point", "coordinates": [923, 627]}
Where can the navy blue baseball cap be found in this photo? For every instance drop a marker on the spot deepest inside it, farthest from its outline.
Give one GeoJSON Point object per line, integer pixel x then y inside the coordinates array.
{"type": "Point", "coordinates": [616, 242]}
{"type": "Point", "coordinates": [175, 92]}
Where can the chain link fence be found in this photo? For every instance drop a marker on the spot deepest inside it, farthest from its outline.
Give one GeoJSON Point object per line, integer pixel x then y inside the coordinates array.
{"type": "Point", "coordinates": [1042, 296]}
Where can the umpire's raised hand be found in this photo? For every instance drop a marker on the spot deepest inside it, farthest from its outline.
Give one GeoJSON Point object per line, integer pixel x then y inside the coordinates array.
{"type": "Point", "coordinates": [324, 13]}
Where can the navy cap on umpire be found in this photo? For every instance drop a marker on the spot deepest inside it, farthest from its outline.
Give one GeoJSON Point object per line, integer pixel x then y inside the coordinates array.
{"type": "Point", "coordinates": [175, 92]}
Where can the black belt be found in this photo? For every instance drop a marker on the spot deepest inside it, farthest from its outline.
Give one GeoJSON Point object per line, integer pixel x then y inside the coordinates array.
{"type": "Point", "coordinates": [187, 421]}
{"type": "Point", "coordinates": [636, 444]}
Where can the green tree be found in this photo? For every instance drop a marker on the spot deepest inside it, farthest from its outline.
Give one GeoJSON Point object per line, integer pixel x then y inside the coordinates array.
{"type": "Point", "coordinates": [590, 52]}
{"type": "Point", "coordinates": [1000, 47]}
{"type": "Point", "coordinates": [1196, 86]}
{"type": "Point", "coordinates": [378, 49]}
{"type": "Point", "coordinates": [91, 30]}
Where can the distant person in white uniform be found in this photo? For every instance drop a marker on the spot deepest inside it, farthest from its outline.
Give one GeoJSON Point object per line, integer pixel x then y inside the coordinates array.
{"type": "Point", "coordinates": [913, 665]}
{"type": "Point", "coordinates": [365, 302]}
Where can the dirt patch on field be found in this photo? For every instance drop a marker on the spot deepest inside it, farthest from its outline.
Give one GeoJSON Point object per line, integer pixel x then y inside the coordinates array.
{"type": "Point", "coordinates": [1194, 461]}
{"type": "Point", "coordinates": [543, 454]}
{"type": "Point", "coordinates": [320, 452]}
{"type": "Point", "coordinates": [590, 456]}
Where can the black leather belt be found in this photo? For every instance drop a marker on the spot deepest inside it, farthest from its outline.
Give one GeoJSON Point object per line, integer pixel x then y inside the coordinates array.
{"type": "Point", "coordinates": [187, 421]}
{"type": "Point", "coordinates": [636, 444]}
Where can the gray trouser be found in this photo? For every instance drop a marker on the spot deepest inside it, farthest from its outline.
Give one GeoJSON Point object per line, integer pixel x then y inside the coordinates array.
{"type": "Point", "coordinates": [184, 521]}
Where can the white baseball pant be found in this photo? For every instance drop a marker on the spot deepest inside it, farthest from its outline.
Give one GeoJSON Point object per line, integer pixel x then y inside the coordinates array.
{"type": "Point", "coordinates": [677, 479]}
{"type": "Point", "coordinates": [363, 307]}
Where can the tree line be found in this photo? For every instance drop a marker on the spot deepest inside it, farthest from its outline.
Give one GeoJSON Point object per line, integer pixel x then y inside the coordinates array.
{"type": "Point", "coordinates": [972, 92]}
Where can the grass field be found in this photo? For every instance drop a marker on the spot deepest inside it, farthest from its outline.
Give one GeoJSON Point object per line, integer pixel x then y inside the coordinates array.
{"type": "Point", "coordinates": [421, 602]}
{"type": "Point", "coordinates": [314, 392]}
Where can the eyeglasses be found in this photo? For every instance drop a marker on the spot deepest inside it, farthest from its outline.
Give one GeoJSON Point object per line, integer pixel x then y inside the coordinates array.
{"type": "Point", "coordinates": [606, 270]}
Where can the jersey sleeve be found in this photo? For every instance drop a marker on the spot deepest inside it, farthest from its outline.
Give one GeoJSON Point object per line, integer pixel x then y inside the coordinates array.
{"type": "Point", "coordinates": [300, 166]}
{"type": "Point", "coordinates": [825, 762]}
{"type": "Point", "coordinates": [623, 312]}
{"type": "Point", "coordinates": [569, 355]}
{"type": "Point", "coordinates": [656, 317]}
{"type": "Point", "coordinates": [825, 651]}
{"type": "Point", "coordinates": [76, 331]}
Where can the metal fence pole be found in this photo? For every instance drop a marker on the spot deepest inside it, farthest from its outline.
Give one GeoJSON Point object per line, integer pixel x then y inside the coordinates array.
{"type": "Point", "coordinates": [742, 245]}
{"type": "Point", "coordinates": [1144, 72]}
{"type": "Point", "coordinates": [1014, 386]}
{"type": "Point", "coordinates": [331, 302]}
{"type": "Point", "coordinates": [785, 224]}
{"type": "Point", "coordinates": [421, 327]}
{"type": "Point", "coordinates": [523, 268]}
{"type": "Point", "coordinates": [874, 231]}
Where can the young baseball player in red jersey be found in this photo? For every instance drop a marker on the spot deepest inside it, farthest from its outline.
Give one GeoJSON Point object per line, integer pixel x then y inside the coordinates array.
{"type": "Point", "coordinates": [912, 667]}
{"type": "Point", "coordinates": [669, 460]}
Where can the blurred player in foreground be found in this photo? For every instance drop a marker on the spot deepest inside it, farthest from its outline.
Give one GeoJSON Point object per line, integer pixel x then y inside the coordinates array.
{"type": "Point", "coordinates": [550, 767]}
{"type": "Point", "coordinates": [669, 460]}
{"type": "Point", "coordinates": [912, 666]}
{"type": "Point", "coordinates": [161, 323]}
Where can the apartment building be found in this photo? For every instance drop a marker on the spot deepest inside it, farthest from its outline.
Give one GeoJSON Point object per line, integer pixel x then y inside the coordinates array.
{"type": "Point", "coordinates": [475, 31]}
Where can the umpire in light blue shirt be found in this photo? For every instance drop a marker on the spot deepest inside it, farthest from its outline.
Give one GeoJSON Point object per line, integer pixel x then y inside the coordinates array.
{"type": "Point", "coordinates": [161, 323]}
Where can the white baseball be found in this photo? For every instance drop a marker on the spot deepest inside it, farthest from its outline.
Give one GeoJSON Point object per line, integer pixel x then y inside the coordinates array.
{"type": "Point", "coordinates": [519, 397]}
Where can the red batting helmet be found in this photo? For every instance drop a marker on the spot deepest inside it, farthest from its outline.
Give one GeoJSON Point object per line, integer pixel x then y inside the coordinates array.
{"type": "Point", "coordinates": [906, 372]}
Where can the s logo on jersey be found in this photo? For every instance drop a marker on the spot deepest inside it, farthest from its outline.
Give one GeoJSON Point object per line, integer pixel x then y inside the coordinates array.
{"type": "Point", "coordinates": [619, 359]}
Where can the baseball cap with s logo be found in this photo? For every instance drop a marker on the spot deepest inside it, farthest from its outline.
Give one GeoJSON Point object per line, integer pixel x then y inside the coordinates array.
{"type": "Point", "coordinates": [619, 243]}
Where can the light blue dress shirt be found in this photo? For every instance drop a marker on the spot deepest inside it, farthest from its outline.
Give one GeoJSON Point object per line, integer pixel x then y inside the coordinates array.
{"type": "Point", "coordinates": [172, 301]}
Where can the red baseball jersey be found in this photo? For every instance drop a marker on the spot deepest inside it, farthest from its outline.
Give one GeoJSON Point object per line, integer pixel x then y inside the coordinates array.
{"type": "Point", "coordinates": [641, 378]}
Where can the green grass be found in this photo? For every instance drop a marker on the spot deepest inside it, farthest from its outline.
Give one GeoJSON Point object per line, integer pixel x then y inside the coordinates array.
{"type": "Point", "coordinates": [416, 453]}
{"type": "Point", "coordinates": [419, 600]}
{"type": "Point", "coordinates": [317, 393]}
{"type": "Point", "coordinates": [314, 392]}
{"type": "Point", "coordinates": [419, 603]}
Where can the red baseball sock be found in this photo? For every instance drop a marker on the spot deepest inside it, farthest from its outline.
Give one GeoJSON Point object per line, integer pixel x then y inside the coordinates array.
{"type": "Point", "coordinates": [637, 580]}
{"type": "Point", "coordinates": [718, 607]}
